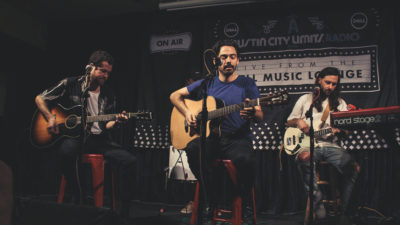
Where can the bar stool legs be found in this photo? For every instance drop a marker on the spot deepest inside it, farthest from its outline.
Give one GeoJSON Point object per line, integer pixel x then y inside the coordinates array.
{"type": "Point", "coordinates": [97, 163]}
{"type": "Point", "coordinates": [236, 210]}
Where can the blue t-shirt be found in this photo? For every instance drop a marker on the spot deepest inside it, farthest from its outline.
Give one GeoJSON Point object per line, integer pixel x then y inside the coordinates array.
{"type": "Point", "coordinates": [231, 93]}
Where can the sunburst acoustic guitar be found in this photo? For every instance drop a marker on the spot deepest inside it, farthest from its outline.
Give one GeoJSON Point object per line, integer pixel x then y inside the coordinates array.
{"type": "Point", "coordinates": [69, 124]}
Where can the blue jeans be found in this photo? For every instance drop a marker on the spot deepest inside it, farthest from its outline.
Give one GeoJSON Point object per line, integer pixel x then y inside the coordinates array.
{"type": "Point", "coordinates": [342, 161]}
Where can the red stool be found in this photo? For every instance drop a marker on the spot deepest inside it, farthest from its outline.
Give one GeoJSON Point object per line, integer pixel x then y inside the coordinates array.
{"type": "Point", "coordinates": [97, 163]}
{"type": "Point", "coordinates": [236, 210]}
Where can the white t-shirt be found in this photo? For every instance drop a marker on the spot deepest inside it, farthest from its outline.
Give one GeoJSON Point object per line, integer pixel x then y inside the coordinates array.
{"type": "Point", "coordinates": [299, 112]}
{"type": "Point", "coordinates": [93, 109]}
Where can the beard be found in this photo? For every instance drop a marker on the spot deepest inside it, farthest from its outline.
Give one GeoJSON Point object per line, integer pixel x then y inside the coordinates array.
{"type": "Point", "coordinates": [98, 81]}
{"type": "Point", "coordinates": [228, 70]}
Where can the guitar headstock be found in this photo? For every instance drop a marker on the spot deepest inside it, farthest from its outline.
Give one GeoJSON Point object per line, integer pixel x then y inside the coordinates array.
{"type": "Point", "coordinates": [276, 98]}
{"type": "Point", "coordinates": [142, 115]}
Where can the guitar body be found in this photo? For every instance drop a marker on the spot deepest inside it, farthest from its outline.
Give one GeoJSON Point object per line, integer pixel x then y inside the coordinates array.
{"type": "Point", "coordinates": [181, 133]}
{"type": "Point", "coordinates": [294, 140]}
{"type": "Point", "coordinates": [68, 125]}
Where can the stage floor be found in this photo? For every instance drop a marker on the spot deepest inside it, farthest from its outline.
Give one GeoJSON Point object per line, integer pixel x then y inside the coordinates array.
{"type": "Point", "coordinates": [45, 211]}
{"type": "Point", "coordinates": [146, 214]}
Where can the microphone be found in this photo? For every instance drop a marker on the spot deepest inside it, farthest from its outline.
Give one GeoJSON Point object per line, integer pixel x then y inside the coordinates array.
{"type": "Point", "coordinates": [88, 68]}
{"type": "Point", "coordinates": [316, 91]}
{"type": "Point", "coordinates": [351, 107]}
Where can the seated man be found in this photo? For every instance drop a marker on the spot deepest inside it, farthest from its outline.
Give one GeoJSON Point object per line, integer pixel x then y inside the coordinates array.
{"type": "Point", "coordinates": [100, 100]}
{"type": "Point", "coordinates": [235, 142]}
{"type": "Point", "coordinates": [327, 147]}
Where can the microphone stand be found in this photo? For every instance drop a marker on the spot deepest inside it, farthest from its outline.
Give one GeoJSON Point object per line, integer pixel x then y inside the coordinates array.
{"type": "Point", "coordinates": [309, 114]}
{"type": "Point", "coordinates": [83, 126]}
{"type": "Point", "coordinates": [202, 152]}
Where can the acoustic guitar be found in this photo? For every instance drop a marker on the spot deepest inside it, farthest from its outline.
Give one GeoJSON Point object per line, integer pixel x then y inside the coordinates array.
{"type": "Point", "coordinates": [182, 134]}
{"type": "Point", "coordinates": [69, 124]}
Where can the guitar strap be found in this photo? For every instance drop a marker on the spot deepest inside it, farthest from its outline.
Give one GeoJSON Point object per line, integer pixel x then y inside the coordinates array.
{"type": "Point", "coordinates": [325, 114]}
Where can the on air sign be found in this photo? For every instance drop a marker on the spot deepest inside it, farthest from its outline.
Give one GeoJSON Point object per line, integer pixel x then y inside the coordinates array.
{"type": "Point", "coordinates": [167, 43]}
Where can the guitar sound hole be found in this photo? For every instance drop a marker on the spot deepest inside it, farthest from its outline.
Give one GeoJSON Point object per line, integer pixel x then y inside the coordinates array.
{"type": "Point", "coordinates": [71, 122]}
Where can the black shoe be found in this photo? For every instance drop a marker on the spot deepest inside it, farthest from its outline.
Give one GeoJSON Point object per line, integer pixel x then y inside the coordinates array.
{"type": "Point", "coordinates": [247, 215]}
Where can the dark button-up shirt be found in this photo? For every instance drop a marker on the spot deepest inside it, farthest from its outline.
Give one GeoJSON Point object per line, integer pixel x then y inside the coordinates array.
{"type": "Point", "coordinates": [68, 93]}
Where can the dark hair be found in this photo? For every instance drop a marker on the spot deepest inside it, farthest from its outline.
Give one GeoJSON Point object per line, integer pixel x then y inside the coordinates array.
{"type": "Point", "coordinates": [227, 42]}
{"type": "Point", "coordinates": [334, 96]}
{"type": "Point", "coordinates": [98, 56]}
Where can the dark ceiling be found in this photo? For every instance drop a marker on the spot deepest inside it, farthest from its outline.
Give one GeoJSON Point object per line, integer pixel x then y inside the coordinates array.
{"type": "Point", "coordinates": [78, 9]}
{"type": "Point", "coordinates": [27, 20]}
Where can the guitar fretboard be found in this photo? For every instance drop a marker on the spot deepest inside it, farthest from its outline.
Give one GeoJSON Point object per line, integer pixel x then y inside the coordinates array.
{"type": "Point", "coordinates": [272, 99]}
{"type": "Point", "coordinates": [108, 117]}
{"type": "Point", "coordinates": [322, 132]}
{"type": "Point", "coordinates": [231, 109]}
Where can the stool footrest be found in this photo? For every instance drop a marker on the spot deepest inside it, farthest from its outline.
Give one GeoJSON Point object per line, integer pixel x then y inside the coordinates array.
{"type": "Point", "coordinates": [224, 211]}
{"type": "Point", "coordinates": [322, 182]}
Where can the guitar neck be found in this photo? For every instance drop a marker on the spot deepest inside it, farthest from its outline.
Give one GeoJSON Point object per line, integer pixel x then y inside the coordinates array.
{"type": "Point", "coordinates": [231, 109]}
{"type": "Point", "coordinates": [272, 99]}
{"type": "Point", "coordinates": [107, 117]}
{"type": "Point", "coordinates": [322, 132]}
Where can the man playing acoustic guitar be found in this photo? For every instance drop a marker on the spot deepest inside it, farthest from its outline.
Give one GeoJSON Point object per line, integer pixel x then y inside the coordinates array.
{"type": "Point", "coordinates": [69, 92]}
{"type": "Point", "coordinates": [327, 147]}
{"type": "Point", "coordinates": [235, 139]}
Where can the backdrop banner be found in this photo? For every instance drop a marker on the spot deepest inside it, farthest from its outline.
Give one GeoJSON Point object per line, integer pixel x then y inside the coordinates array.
{"type": "Point", "coordinates": [288, 51]}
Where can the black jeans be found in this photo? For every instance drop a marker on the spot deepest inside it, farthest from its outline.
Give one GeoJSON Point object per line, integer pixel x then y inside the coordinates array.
{"type": "Point", "coordinates": [121, 160]}
{"type": "Point", "coordinates": [238, 149]}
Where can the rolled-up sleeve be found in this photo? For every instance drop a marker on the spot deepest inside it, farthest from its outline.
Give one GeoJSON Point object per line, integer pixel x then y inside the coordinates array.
{"type": "Point", "coordinates": [54, 92]}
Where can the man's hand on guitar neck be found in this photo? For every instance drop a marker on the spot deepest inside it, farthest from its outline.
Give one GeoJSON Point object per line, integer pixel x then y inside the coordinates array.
{"type": "Point", "coordinates": [251, 113]}
{"type": "Point", "coordinates": [119, 119]}
{"type": "Point", "coordinates": [339, 132]}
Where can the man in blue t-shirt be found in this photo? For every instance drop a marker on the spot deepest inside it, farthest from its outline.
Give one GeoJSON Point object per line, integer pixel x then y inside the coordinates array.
{"type": "Point", "coordinates": [235, 141]}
